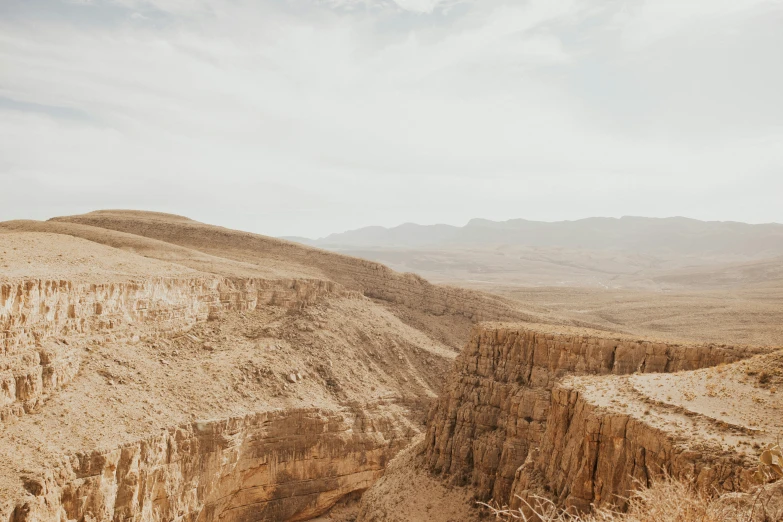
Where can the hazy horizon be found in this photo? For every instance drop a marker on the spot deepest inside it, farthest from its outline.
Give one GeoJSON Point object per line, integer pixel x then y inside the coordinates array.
{"type": "Point", "coordinates": [458, 225]}
{"type": "Point", "coordinates": [310, 117]}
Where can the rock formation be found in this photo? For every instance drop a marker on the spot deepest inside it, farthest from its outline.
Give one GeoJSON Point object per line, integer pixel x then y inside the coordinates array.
{"type": "Point", "coordinates": [511, 424]}
{"type": "Point", "coordinates": [153, 368]}
{"type": "Point", "coordinates": [282, 465]}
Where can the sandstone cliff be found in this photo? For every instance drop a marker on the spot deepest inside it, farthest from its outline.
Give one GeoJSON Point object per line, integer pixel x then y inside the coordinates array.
{"type": "Point", "coordinates": [161, 369]}
{"type": "Point", "coordinates": [282, 465]}
{"type": "Point", "coordinates": [507, 425]}
{"type": "Point", "coordinates": [595, 452]}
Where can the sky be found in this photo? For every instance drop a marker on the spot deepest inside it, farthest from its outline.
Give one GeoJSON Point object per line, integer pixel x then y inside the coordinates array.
{"type": "Point", "coordinates": [307, 117]}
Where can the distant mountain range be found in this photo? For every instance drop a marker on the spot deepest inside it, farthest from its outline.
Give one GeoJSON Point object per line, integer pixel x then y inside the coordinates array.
{"type": "Point", "coordinates": [660, 236]}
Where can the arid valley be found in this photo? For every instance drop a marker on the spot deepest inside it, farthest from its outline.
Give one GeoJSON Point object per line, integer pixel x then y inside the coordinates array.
{"type": "Point", "coordinates": [155, 368]}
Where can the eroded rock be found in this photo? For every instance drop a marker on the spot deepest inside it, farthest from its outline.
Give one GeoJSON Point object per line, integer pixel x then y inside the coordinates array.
{"type": "Point", "coordinates": [500, 405]}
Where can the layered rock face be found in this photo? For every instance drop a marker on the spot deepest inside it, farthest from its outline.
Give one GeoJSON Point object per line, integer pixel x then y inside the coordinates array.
{"type": "Point", "coordinates": [33, 309]}
{"type": "Point", "coordinates": [500, 405]}
{"type": "Point", "coordinates": [283, 465]}
{"type": "Point", "coordinates": [593, 455]}
{"type": "Point", "coordinates": [33, 364]}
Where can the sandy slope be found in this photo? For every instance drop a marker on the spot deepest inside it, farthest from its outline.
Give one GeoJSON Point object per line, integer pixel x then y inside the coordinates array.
{"type": "Point", "coordinates": [29, 255]}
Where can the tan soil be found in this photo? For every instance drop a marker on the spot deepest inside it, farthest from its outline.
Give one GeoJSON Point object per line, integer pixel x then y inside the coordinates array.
{"type": "Point", "coordinates": [734, 299]}
{"type": "Point", "coordinates": [29, 255]}
{"type": "Point", "coordinates": [743, 396]}
{"type": "Point", "coordinates": [740, 315]}
{"type": "Point", "coordinates": [408, 492]}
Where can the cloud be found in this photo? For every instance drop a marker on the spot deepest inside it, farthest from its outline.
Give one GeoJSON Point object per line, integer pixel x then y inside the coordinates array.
{"type": "Point", "coordinates": [415, 6]}
{"type": "Point", "coordinates": [263, 115]}
{"type": "Point", "coordinates": [646, 22]}
{"type": "Point", "coordinates": [421, 6]}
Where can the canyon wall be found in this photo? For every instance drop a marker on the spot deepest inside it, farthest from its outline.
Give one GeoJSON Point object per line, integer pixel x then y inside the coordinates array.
{"type": "Point", "coordinates": [281, 465]}
{"type": "Point", "coordinates": [500, 405]}
{"type": "Point", "coordinates": [33, 309]}
{"type": "Point", "coordinates": [41, 320]}
{"type": "Point", "coordinates": [591, 456]}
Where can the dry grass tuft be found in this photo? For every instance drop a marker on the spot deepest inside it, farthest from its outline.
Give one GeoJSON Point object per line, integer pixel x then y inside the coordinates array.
{"type": "Point", "coordinates": [770, 464]}
{"type": "Point", "coordinates": [665, 501]}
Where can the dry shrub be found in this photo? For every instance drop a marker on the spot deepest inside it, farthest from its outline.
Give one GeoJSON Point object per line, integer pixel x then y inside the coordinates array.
{"type": "Point", "coordinates": [666, 501]}
{"type": "Point", "coordinates": [770, 464]}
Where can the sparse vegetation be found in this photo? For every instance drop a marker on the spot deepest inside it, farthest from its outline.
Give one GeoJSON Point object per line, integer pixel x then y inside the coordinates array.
{"type": "Point", "coordinates": [665, 501]}
{"type": "Point", "coordinates": [770, 464]}
{"type": "Point", "coordinates": [671, 500]}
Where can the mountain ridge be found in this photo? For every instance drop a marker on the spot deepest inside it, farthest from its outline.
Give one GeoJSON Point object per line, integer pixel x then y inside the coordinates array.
{"type": "Point", "coordinates": [677, 234]}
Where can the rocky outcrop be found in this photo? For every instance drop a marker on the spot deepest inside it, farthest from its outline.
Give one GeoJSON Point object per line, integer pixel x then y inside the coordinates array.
{"type": "Point", "coordinates": [499, 404]}
{"type": "Point", "coordinates": [272, 466]}
{"type": "Point", "coordinates": [33, 309]}
{"type": "Point", "coordinates": [28, 377]}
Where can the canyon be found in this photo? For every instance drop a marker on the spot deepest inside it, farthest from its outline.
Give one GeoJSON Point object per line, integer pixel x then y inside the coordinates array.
{"type": "Point", "coordinates": [268, 383]}
{"type": "Point", "coordinates": [154, 368]}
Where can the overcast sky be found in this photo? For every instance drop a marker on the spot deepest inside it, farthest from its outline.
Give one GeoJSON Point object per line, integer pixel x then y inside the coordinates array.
{"type": "Point", "coordinates": [305, 117]}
